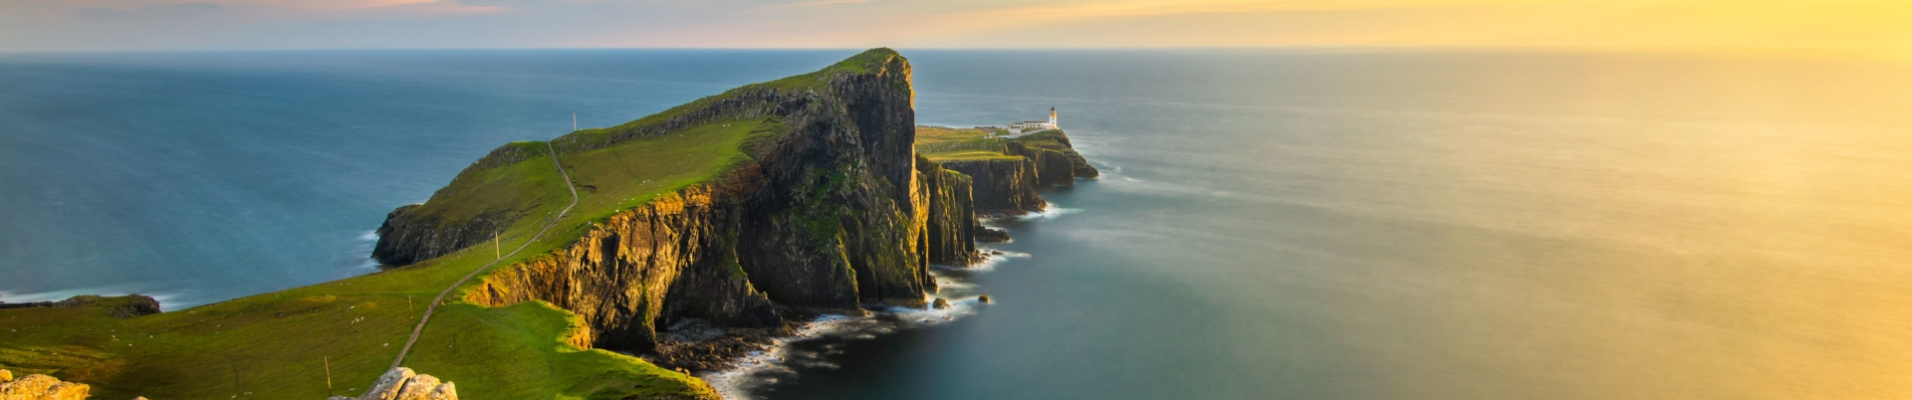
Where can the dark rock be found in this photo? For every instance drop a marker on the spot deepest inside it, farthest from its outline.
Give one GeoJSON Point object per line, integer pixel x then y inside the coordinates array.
{"type": "Point", "coordinates": [952, 215]}
{"type": "Point", "coordinates": [128, 306]}
{"type": "Point", "coordinates": [941, 304]}
{"type": "Point", "coordinates": [408, 237]}
{"type": "Point", "coordinates": [1001, 186]}
{"type": "Point", "coordinates": [983, 299]}
{"type": "Point", "coordinates": [990, 235]}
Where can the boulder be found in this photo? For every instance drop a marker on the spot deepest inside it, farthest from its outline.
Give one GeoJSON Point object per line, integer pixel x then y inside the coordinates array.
{"type": "Point", "coordinates": [41, 387]}
{"type": "Point", "coordinates": [403, 384]}
{"type": "Point", "coordinates": [388, 385]}
{"type": "Point", "coordinates": [983, 299]}
{"type": "Point", "coordinates": [941, 304]}
{"type": "Point", "coordinates": [418, 387]}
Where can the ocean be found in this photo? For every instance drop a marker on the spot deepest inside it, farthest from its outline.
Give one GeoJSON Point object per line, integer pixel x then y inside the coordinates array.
{"type": "Point", "coordinates": [1271, 224]}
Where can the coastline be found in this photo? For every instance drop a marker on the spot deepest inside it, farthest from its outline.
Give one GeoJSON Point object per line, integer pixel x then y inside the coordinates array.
{"type": "Point", "coordinates": [772, 360]}
{"type": "Point", "coordinates": [744, 222]}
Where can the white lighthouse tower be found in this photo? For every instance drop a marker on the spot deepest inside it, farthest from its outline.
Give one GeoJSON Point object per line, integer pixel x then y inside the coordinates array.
{"type": "Point", "coordinates": [1052, 119]}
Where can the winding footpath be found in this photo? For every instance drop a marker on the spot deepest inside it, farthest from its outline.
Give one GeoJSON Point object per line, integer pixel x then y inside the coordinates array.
{"type": "Point", "coordinates": [514, 252]}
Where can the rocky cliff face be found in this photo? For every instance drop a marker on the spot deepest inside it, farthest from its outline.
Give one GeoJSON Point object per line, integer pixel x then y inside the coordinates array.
{"type": "Point", "coordinates": [1001, 185]}
{"type": "Point", "coordinates": [1008, 185]}
{"type": "Point", "coordinates": [836, 213]}
{"type": "Point", "coordinates": [952, 214]}
{"type": "Point", "coordinates": [840, 221]}
{"type": "Point", "coordinates": [672, 258]}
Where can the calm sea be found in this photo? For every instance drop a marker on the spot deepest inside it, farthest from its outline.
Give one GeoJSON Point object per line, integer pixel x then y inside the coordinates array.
{"type": "Point", "coordinates": [1271, 225]}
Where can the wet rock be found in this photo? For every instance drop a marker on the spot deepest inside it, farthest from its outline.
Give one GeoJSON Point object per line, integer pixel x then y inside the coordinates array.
{"type": "Point", "coordinates": [983, 299]}
{"type": "Point", "coordinates": [941, 304]}
{"type": "Point", "coordinates": [991, 235]}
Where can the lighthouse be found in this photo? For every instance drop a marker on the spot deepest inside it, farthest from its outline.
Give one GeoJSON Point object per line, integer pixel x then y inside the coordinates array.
{"type": "Point", "coordinates": [1029, 126]}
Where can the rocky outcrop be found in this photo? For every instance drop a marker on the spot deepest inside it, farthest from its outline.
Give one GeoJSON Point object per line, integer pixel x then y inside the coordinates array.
{"type": "Point", "coordinates": [672, 258]}
{"type": "Point", "coordinates": [1007, 185]}
{"type": "Point", "coordinates": [408, 237]}
{"type": "Point", "coordinates": [832, 214]}
{"type": "Point", "coordinates": [1051, 167]}
{"type": "Point", "coordinates": [952, 214]}
{"type": "Point", "coordinates": [127, 306]}
{"type": "Point", "coordinates": [1058, 142]}
{"type": "Point", "coordinates": [39, 387]}
{"type": "Point", "coordinates": [403, 384]}
{"type": "Point", "coordinates": [840, 221]}
{"type": "Point", "coordinates": [1001, 185]}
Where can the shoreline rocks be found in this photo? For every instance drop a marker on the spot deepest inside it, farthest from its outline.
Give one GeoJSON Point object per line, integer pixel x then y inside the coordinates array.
{"type": "Point", "coordinates": [127, 306]}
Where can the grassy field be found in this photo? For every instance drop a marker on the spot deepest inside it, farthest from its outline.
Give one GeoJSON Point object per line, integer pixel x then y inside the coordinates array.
{"type": "Point", "coordinates": [943, 144]}
{"type": "Point", "coordinates": [281, 345]}
{"type": "Point", "coordinates": [277, 345]}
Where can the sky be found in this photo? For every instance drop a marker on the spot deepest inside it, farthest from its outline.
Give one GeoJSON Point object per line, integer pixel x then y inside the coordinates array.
{"type": "Point", "coordinates": [1881, 27]}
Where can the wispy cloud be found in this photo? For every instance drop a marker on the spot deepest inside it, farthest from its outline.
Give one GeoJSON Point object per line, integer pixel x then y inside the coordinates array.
{"type": "Point", "coordinates": [1148, 8]}
{"type": "Point", "coordinates": [147, 11]}
{"type": "Point", "coordinates": [818, 3]}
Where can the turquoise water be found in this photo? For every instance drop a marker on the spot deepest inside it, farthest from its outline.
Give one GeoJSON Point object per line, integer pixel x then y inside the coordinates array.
{"type": "Point", "coordinates": [1270, 225]}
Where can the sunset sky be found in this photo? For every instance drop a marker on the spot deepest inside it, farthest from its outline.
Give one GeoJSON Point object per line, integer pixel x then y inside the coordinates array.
{"type": "Point", "coordinates": [1865, 26]}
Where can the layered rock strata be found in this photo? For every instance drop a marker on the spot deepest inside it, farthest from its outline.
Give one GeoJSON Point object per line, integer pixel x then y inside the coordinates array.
{"type": "Point", "coordinates": [833, 213]}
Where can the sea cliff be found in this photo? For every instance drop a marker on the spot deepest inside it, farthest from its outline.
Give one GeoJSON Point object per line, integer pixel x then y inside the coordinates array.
{"type": "Point", "coordinates": [829, 211]}
{"type": "Point", "coordinates": [694, 235]}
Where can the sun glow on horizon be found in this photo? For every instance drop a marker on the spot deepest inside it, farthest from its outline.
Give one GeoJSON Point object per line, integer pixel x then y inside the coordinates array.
{"type": "Point", "coordinates": [1873, 27]}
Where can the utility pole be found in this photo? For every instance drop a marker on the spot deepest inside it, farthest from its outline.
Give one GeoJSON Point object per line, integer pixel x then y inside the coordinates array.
{"type": "Point", "coordinates": [497, 250]}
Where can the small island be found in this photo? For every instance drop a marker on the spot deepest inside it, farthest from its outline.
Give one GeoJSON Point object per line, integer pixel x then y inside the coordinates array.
{"type": "Point", "coordinates": [607, 263]}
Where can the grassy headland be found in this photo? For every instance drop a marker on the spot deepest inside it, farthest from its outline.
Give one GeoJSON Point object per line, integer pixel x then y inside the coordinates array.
{"type": "Point", "coordinates": [279, 345]}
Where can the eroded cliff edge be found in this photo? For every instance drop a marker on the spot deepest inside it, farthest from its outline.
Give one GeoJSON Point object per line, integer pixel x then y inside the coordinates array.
{"type": "Point", "coordinates": [826, 207]}
{"type": "Point", "coordinates": [829, 209]}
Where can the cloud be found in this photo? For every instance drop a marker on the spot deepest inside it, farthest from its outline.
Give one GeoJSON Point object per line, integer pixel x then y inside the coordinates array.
{"type": "Point", "coordinates": [819, 3]}
{"type": "Point", "coordinates": [148, 11]}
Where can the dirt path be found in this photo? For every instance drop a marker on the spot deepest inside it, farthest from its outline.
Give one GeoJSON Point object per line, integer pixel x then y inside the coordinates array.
{"type": "Point", "coordinates": [461, 281]}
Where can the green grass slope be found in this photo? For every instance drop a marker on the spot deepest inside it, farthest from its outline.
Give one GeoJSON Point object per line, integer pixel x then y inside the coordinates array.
{"type": "Point", "coordinates": [945, 144]}
{"type": "Point", "coordinates": [279, 345]}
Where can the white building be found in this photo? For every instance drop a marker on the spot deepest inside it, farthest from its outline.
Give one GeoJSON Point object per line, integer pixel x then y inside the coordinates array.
{"type": "Point", "coordinates": [1032, 126]}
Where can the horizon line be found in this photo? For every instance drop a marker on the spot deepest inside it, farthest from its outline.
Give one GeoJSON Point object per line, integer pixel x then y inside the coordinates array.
{"type": "Point", "coordinates": [1784, 52]}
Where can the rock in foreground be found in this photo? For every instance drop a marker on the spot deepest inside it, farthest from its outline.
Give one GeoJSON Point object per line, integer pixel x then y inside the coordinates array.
{"type": "Point", "coordinates": [39, 387]}
{"type": "Point", "coordinates": [403, 384]}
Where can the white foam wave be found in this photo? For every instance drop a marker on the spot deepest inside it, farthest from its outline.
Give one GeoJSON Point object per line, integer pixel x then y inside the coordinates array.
{"type": "Point", "coordinates": [1048, 212]}
{"type": "Point", "coordinates": [993, 257]}
{"type": "Point", "coordinates": [780, 360]}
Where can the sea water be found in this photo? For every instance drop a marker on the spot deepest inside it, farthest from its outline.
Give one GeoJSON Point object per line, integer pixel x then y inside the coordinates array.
{"type": "Point", "coordinates": [1270, 224]}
